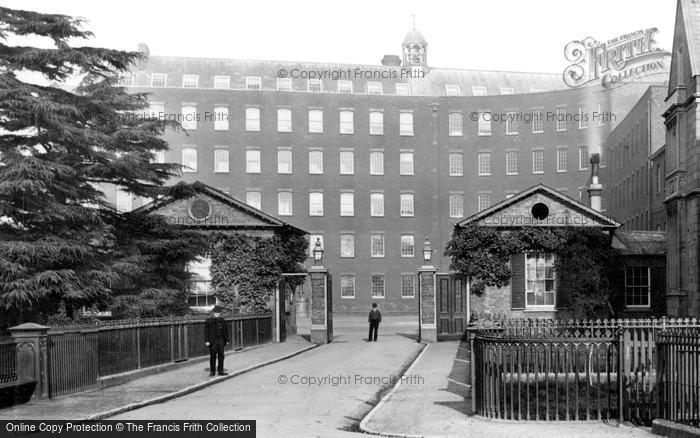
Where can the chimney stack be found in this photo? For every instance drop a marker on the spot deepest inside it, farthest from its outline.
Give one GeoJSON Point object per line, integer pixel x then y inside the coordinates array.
{"type": "Point", "coordinates": [391, 61]}
{"type": "Point", "coordinates": [595, 189]}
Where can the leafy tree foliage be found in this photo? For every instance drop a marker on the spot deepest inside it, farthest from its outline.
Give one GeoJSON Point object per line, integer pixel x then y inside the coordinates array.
{"type": "Point", "coordinates": [588, 269]}
{"type": "Point", "coordinates": [60, 241]}
{"type": "Point", "coordinates": [245, 269]}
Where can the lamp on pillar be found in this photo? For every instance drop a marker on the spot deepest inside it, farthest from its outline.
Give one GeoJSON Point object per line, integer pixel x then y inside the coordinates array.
{"type": "Point", "coordinates": [318, 252]}
{"type": "Point", "coordinates": [427, 323]}
{"type": "Point", "coordinates": [321, 300]}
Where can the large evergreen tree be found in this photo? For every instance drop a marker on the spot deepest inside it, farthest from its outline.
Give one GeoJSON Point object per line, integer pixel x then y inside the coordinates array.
{"type": "Point", "coordinates": [61, 244]}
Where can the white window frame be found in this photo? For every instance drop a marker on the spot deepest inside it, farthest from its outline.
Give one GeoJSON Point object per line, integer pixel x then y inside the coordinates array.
{"type": "Point", "coordinates": [455, 124]}
{"type": "Point", "coordinates": [347, 204]}
{"type": "Point", "coordinates": [529, 291]}
{"type": "Point", "coordinates": [453, 90]}
{"type": "Point", "coordinates": [374, 88]}
{"type": "Point", "coordinates": [537, 121]}
{"type": "Point", "coordinates": [583, 163]}
{"type": "Point", "coordinates": [250, 196]}
{"type": "Point", "coordinates": [456, 164]}
{"type": "Point", "coordinates": [221, 118]}
{"type": "Point", "coordinates": [315, 203]}
{"type": "Point", "coordinates": [315, 124]}
{"type": "Point", "coordinates": [342, 291]}
{"type": "Point", "coordinates": [284, 166]}
{"type": "Point", "coordinates": [251, 164]}
{"type": "Point", "coordinates": [346, 121]}
{"type": "Point", "coordinates": [317, 169]}
{"type": "Point", "coordinates": [403, 89]}
{"type": "Point", "coordinates": [511, 164]}
{"type": "Point", "coordinates": [483, 201]}
{"type": "Point", "coordinates": [252, 124]}
{"type": "Point", "coordinates": [407, 241]}
{"type": "Point", "coordinates": [315, 82]}
{"type": "Point", "coordinates": [406, 200]}
{"type": "Point", "coordinates": [562, 153]}
{"type": "Point", "coordinates": [220, 79]}
{"type": "Point", "coordinates": [376, 163]}
{"type": "Point", "coordinates": [376, 127]}
{"type": "Point", "coordinates": [186, 163]}
{"type": "Point", "coordinates": [378, 238]}
{"type": "Point", "coordinates": [345, 87]}
{"type": "Point", "coordinates": [192, 79]}
{"type": "Point", "coordinates": [284, 84]}
{"type": "Point", "coordinates": [484, 124]}
{"type": "Point", "coordinates": [221, 160]}
{"type": "Point", "coordinates": [346, 166]}
{"type": "Point", "coordinates": [511, 123]}
{"type": "Point", "coordinates": [163, 76]}
{"type": "Point", "coordinates": [284, 124]}
{"type": "Point", "coordinates": [376, 204]}
{"type": "Point", "coordinates": [630, 286]}
{"type": "Point", "coordinates": [561, 118]}
{"type": "Point", "coordinates": [406, 128]}
{"type": "Point", "coordinates": [383, 277]}
{"type": "Point", "coordinates": [282, 196]}
{"type": "Point", "coordinates": [413, 286]}
{"type": "Point", "coordinates": [537, 154]}
{"type": "Point", "coordinates": [253, 83]}
{"type": "Point", "coordinates": [456, 208]}
{"type": "Point", "coordinates": [351, 248]}
{"type": "Point", "coordinates": [582, 122]}
{"type": "Point", "coordinates": [189, 118]}
{"type": "Point", "coordinates": [506, 91]}
{"type": "Point", "coordinates": [479, 90]}
{"type": "Point", "coordinates": [403, 166]}
{"type": "Point", "coordinates": [483, 160]}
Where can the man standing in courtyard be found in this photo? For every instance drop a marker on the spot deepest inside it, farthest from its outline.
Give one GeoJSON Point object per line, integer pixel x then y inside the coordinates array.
{"type": "Point", "coordinates": [375, 317]}
{"type": "Point", "coordinates": [216, 338]}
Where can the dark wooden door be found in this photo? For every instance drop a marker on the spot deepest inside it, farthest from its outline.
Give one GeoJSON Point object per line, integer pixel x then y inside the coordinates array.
{"type": "Point", "coordinates": [329, 308]}
{"type": "Point", "coordinates": [282, 303]}
{"type": "Point", "coordinates": [452, 315]}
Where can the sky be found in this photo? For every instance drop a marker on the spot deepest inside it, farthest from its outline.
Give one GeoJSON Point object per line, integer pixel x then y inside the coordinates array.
{"type": "Point", "coordinates": [511, 35]}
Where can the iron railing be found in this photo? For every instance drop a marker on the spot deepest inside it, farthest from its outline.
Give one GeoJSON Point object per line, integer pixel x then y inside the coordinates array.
{"type": "Point", "coordinates": [8, 360]}
{"type": "Point", "coordinates": [635, 340]}
{"type": "Point", "coordinates": [79, 355]}
{"type": "Point", "coordinates": [678, 357]}
{"type": "Point", "coordinates": [546, 379]}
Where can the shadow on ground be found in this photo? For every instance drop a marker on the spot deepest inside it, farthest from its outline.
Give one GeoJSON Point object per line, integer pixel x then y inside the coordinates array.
{"type": "Point", "coordinates": [458, 380]}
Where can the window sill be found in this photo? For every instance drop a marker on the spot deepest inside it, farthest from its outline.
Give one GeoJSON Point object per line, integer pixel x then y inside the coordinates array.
{"type": "Point", "coordinates": [377, 298]}
{"type": "Point", "coordinates": [347, 298]}
{"type": "Point", "coordinates": [408, 298]}
{"type": "Point", "coordinates": [540, 309]}
{"type": "Point", "coordinates": [640, 307]}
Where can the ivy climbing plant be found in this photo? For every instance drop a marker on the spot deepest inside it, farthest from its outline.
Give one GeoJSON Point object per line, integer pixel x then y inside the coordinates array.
{"type": "Point", "coordinates": [245, 269]}
{"type": "Point", "coordinates": [589, 271]}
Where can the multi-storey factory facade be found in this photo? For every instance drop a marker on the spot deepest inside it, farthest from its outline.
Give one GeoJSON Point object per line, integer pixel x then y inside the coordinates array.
{"type": "Point", "coordinates": [375, 159]}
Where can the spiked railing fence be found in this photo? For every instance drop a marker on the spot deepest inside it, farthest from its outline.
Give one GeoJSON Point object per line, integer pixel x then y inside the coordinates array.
{"type": "Point", "coordinates": [561, 370]}
{"type": "Point", "coordinates": [79, 355]}
{"type": "Point", "coordinates": [678, 357]}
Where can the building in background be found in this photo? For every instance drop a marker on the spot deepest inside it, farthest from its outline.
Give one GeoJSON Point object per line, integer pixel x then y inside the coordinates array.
{"type": "Point", "coordinates": [682, 158]}
{"type": "Point", "coordinates": [374, 159]}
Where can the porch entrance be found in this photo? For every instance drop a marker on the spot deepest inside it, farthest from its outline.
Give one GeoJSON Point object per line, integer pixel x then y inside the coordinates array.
{"type": "Point", "coordinates": [452, 308]}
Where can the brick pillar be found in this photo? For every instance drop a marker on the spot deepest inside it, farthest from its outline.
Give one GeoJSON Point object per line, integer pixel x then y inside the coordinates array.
{"type": "Point", "coordinates": [32, 353]}
{"type": "Point", "coordinates": [320, 333]}
{"type": "Point", "coordinates": [427, 322]}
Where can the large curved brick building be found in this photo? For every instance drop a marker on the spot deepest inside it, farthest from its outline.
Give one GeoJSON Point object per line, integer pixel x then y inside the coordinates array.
{"type": "Point", "coordinates": [374, 159]}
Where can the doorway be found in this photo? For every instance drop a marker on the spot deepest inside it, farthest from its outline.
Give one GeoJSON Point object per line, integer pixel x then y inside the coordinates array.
{"type": "Point", "coordinates": [452, 317]}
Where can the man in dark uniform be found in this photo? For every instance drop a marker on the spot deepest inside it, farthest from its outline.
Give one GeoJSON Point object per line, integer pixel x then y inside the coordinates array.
{"type": "Point", "coordinates": [375, 317]}
{"type": "Point", "coordinates": [216, 338]}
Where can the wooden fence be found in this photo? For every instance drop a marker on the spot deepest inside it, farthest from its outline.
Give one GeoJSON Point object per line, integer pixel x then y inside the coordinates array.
{"type": "Point", "coordinates": [79, 355]}
{"type": "Point", "coordinates": [551, 350]}
{"type": "Point", "coordinates": [678, 352]}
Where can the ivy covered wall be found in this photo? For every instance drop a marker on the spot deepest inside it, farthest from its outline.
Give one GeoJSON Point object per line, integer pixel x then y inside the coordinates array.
{"type": "Point", "coordinates": [589, 272]}
{"type": "Point", "coordinates": [246, 268]}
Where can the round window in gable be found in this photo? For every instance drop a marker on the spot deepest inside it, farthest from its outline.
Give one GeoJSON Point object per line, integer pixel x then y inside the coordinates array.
{"type": "Point", "coordinates": [540, 211]}
{"type": "Point", "coordinates": [200, 209]}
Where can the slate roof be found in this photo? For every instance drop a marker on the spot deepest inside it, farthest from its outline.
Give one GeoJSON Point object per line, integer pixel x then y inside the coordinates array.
{"type": "Point", "coordinates": [640, 242]}
{"type": "Point", "coordinates": [691, 20]}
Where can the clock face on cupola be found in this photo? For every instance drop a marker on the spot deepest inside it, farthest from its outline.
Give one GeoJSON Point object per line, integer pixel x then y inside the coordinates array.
{"type": "Point", "coordinates": [415, 49]}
